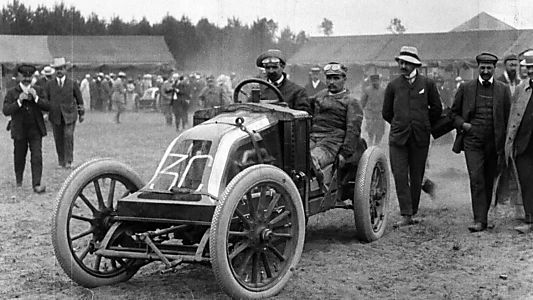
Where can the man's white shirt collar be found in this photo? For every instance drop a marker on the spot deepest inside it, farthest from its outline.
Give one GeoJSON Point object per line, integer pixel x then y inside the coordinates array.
{"type": "Point", "coordinates": [491, 80]}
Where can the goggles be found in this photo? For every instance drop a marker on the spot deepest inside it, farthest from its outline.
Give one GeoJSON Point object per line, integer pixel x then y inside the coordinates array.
{"type": "Point", "coordinates": [270, 60]}
{"type": "Point", "coordinates": [333, 67]}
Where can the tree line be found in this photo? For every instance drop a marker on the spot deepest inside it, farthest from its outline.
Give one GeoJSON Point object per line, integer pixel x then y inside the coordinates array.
{"type": "Point", "coordinates": [202, 46]}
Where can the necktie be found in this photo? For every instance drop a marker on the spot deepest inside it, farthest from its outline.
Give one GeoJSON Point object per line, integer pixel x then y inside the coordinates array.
{"type": "Point", "coordinates": [486, 83]}
{"type": "Point", "coordinates": [60, 83]}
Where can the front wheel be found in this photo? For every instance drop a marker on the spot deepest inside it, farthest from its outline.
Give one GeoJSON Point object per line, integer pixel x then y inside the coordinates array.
{"type": "Point", "coordinates": [257, 233]}
{"type": "Point", "coordinates": [372, 195]}
{"type": "Point", "coordinates": [83, 214]}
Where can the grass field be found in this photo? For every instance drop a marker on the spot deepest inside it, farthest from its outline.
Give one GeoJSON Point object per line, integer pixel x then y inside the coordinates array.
{"type": "Point", "coordinates": [436, 259]}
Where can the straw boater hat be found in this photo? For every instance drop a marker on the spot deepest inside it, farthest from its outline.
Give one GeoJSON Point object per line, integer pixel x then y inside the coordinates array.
{"type": "Point", "coordinates": [409, 54]}
{"type": "Point", "coordinates": [121, 74]}
{"type": "Point", "coordinates": [527, 61]}
{"type": "Point", "coordinates": [59, 62]}
{"type": "Point", "coordinates": [48, 70]}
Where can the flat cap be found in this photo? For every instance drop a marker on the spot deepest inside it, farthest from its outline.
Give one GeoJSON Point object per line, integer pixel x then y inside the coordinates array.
{"type": "Point", "coordinates": [270, 56]}
{"type": "Point", "coordinates": [315, 69]}
{"type": "Point", "coordinates": [26, 70]}
{"type": "Point", "coordinates": [486, 57]}
{"type": "Point", "coordinates": [510, 56]}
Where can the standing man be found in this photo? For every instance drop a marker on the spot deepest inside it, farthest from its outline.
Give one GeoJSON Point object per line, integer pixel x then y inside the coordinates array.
{"type": "Point", "coordinates": [510, 75]}
{"type": "Point", "coordinates": [337, 119]}
{"type": "Point", "coordinates": [85, 89]}
{"type": "Point", "coordinates": [372, 103]}
{"type": "Point", "coordinates": [212, 94]}
{"type": "Point", "coordinates": [119, 95]}
{"type": "Point", "coordinates": [314, 85]}
{"type": "Point", "coordinates": [519, 143]}
{"type": "Point", "coordinates": [411, 105]}
{"type": "Point", "coordinates": [167, 92]}
{"type": "Point", "coordinates": [66, 107]}
{"type": "Point", "coordinates": [480, 112]}
{"type": "Point", "coordinates": [47, 76]}
{"type": "Point", "coordinates": [180, 101]}
{"type": "Point", "coordinates": [273, 61]}
{"type": "Point", "coordinates": [27, 127]}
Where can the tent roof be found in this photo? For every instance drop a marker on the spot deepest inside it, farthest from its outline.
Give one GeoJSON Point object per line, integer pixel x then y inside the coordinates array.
{"type": "Point", "coordinates": [86, 51]}
{"type": "Point", "coordinates": [483, 21]}
{"type": "Point", "coordinates": [433, 48]}
{"type": "Point", "coordinates": [111, 50]}
{"type": "Point", "coordinates": [24, 49]}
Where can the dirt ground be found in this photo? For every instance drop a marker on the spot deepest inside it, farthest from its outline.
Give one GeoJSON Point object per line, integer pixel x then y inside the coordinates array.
{"type": "Point", "coordinates": [436, 259]}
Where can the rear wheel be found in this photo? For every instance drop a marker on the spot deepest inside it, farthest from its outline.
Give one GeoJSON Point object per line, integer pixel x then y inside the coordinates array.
{"type": "Point", "coordinates": [257, 233]}
{"type": "Point", "coordinates": [83, 214]}
{"type": "Point", "coordinates": [372, 195]}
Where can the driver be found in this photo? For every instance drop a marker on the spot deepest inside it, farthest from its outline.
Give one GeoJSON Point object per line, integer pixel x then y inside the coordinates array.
{"type": "Point", "coordinates": [337, 119]}
{"type": "Point", "coordinates": [273, 61]}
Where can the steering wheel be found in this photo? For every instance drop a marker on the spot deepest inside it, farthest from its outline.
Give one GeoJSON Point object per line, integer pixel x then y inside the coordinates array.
{"type": "Point", "coordinates": [255, 80]}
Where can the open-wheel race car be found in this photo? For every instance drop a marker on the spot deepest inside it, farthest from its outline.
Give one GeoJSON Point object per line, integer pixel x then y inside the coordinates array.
{"type": "Point", "coordinates": [234, 191]}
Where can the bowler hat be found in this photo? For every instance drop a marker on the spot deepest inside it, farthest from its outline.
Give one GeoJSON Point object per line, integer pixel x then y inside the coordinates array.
{"type": "Point", "coordinates": [409, 54]}
{"type": "Point", "coordinates": [26, 70]}
{"type": "Point", "coordinates": [486, 57]}
{"type": "Point", "coordinates": [272, 55]}
{"type": "Point", "coordinates": [59, 62]}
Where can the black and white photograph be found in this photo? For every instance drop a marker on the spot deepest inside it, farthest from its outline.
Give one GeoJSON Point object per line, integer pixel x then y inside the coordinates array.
{"type": "Point", "coordinates": [282, 149]}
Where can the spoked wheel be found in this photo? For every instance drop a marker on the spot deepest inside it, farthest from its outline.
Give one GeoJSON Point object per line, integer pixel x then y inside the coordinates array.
{"type": "Point", "coordinates": [257, 233]}
{"type": "Point", "coordinates": [372, 195]}
{"type": "Point", "coordinates": [83, 214]}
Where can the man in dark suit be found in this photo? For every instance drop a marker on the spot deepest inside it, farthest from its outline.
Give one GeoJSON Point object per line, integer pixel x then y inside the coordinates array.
{"type": "Point", "coordinates": [273, 61]}
{"type": "Point", "coordinates": [25, 107]}
{"type": "Point", "coordinates": [480, 112]}
{"type": "Point", "coordinates": [314, 85]}
{"type": "Point", "coordinates": [66, 107]}
{"type": "Point", "coordinates": [411, 105]}
{"type": "Point", "coordinates": [519, 143]}
{"type": "Point", "coordinates": [510, 75]}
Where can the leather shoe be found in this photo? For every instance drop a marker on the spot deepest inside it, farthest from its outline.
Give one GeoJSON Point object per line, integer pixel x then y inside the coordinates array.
{"type": "Point", "coordinates": [525, 228]}
{"type": "Point", "coordinates": [39, 189]}
{"type": "Point", "coordinates": [405, 221]}
{"type": "Point", "coordinates": [477, 227]}
{"type": "Point", "coordinates": [68, 166]}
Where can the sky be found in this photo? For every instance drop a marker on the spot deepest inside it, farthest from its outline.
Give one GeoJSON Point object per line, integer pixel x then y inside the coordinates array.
{"type": "Point", "coordinates": [349, 17]}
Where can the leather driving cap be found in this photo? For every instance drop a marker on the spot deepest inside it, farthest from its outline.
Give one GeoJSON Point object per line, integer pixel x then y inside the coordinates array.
{"type": "Point", "coordinates": [272, 53]}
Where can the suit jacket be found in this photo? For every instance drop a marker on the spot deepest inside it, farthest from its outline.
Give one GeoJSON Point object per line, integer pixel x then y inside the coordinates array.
{"type": "Point", "coordinates": [66, 101]}
{"type": "Point", "coordinates": [11, 108]}
{"type": "Point", "coordinates": [520, 123]}
{"type": "Point", "coordinates": [411, 109]}
{"type": "Point", "coordinates": [311, 91]}
{"type": "Point", "coordinates": [293, 94]}
{"type": "Point", "coordinates": [464, 106]}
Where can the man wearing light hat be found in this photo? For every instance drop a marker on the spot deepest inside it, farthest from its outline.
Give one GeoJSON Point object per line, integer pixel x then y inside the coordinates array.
{"type": "Point", "coordinates": [47, 73]}
{"type": "Point", "coordinates": [337, 119]}
{"type": "Point", "coordinates": [510, 75]}
{"type": "Point", "coordinates": [314, 85]}
{"type": "Point", "coordinates": [273, 61]}
{"type": "Point", "coordinates": [480, 112]}
{"type": "Point", "coordinates": [518, 147]}
{"type": "Point", "coordinates": [66, 107]}
{"type": "Point", "coordinates": [411, 105]}
{"type": "Point", "coordinates": [25, 107]}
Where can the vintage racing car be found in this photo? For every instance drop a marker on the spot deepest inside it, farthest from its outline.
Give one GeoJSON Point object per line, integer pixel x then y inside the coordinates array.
{"type": "Point", "coordinates": [234, 191]}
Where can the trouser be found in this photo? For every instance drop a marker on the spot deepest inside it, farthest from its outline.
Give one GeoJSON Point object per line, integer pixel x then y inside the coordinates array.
{"type": "Point", "coordinates": [375, 129]}
{"type": "Point", "coordinates": [36, 159]}
{"type": "Point", "coordinates": [408, 163]}
{"type": "Point", "coordinates": [167, 112]}
{"type": "Point", "coordinates": [482, 169]}
{"type": "Point", "coordinates": [181, 118]}
{"type": "Point", "coordinates": [64, 140]}
{"type": "Point", "coordinates": [524, 166]}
